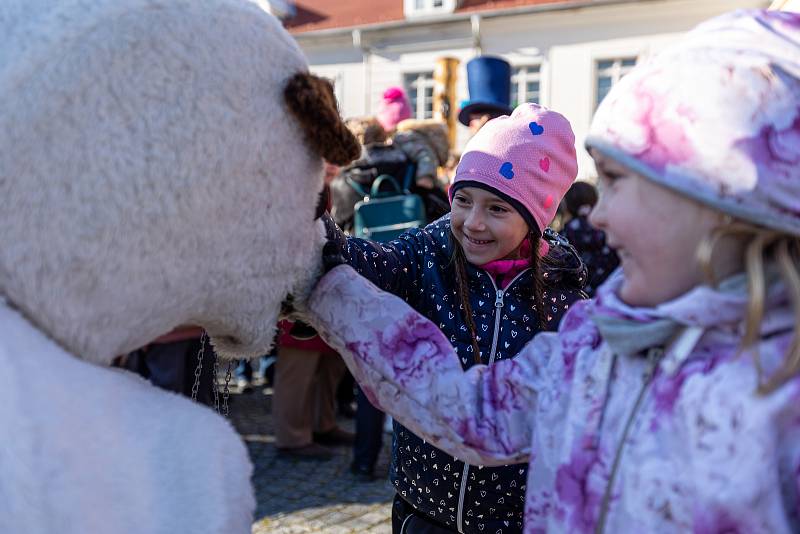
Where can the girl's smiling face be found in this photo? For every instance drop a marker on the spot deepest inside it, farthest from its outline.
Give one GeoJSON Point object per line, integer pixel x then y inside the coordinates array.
{"type": "Point", "coordinates": [656, 234]}
{"type": "Point", "coordinates": [487, 227]}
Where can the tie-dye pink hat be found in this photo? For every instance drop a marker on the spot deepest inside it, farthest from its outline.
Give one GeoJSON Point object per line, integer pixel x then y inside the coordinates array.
{"type": "Point", "coordinates": [528, 157]}
{"type": "Point", "coordinates": [716, 117]}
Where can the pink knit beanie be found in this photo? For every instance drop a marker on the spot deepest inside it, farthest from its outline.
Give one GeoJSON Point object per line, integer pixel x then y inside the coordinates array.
{"type": "Point", "coordinates": [393, 109]}
{"type": "Point", "coordinates": [528, 157]}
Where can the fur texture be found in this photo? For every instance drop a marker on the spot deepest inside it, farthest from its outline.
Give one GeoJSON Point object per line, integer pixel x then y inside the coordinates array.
{"type": "Point", "coordinates": [95, 450]}
{"type": "Point", "coordinates": [312, 102]}
{"type": "Point", "coordinates": [367, 130]}
{"type": "Point", "coordinates": [435, 133]}
{"type": "Point", "coordinates": [152, 175]}
{"type": "Point", "coordinates": [147, 168]}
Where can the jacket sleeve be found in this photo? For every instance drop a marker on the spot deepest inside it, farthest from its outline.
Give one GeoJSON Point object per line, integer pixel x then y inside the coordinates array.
{"type": "Point", "coordinates": [557, 302]}
{"type": "Point", "coordinates": [418, 151]}
{"type": "Point", "coordinates": [564, 277]}
{"type": "Point", "coordinates": [394, 266]}
{"type": "Point", "coordinates": [408, 368]}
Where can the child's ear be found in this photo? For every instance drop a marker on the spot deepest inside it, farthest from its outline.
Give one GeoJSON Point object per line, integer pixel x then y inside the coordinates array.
{"type": "Point", "coordinates": [312, 102]}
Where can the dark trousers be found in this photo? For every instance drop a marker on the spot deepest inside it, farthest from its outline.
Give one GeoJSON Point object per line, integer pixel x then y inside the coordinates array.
{"type": "Point", "coordinates": [172, 366]}
{"type": "Point", "coordinates": [345, 392]}
{"type": "Point", "coordinates": [369, 433]}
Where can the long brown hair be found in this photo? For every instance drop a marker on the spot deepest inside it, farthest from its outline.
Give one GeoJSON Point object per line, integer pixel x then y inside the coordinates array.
{"type": "Point", "coordinates": [536, 290]}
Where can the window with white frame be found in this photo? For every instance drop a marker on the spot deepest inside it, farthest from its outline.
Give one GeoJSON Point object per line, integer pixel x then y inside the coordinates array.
{"type": "Point", "coordinates": [526, 85]}
{"type": "Point", "coordinates": [608, 72]}
{"type": "Point", "coordinates": [415, 8]}
{"type": "Point", "coordinates": [419, 88]}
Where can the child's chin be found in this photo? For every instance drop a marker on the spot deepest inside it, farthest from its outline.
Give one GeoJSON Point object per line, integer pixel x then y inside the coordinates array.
{"type": "Point", "coordinates": [475, 259]}
{"type": "Point", "coordinates": [638, 295]}
{"type": "Point", "coordinates": [629, 294]}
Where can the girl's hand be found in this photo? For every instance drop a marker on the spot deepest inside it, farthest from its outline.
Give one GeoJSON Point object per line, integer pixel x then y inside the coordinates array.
{"type": "Point", "coordinates": [333, 250]}
{"type": "Point", "coordinates": [331, 171]}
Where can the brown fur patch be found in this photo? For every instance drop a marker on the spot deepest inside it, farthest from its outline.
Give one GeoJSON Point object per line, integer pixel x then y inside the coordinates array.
{"type": "Point", "coordinates": [312, 102]}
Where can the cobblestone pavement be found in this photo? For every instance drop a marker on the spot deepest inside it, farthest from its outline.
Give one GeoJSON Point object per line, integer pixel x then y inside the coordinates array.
{"type": "Point", "coordinates": [304, 496]}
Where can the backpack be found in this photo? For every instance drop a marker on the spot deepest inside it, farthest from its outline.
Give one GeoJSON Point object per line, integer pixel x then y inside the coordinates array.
{"type": "Point", "coordinates": [355, 181]}
{"type": "Point", "coordinates": [385, 214]}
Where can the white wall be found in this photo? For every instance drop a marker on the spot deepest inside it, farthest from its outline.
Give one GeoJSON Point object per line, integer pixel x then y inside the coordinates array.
{"type": "Point", "coordinates": [567, 44]}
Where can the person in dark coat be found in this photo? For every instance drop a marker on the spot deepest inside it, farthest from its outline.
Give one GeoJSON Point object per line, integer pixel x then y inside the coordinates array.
{"type": "Point", "coordinates": [590, 242]}
{"type": "Point", "coordinates": [490, 279]}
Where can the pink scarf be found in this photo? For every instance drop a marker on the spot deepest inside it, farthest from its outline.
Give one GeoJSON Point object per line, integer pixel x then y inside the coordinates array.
{"type": "Point", "coordinates": [503, 271]}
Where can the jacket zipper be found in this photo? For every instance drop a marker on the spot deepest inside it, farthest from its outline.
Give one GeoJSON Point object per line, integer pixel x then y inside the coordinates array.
{"type": "Point", "coordinates": [498, 309]}
{"type": "Point", "coordinates": [679, 349]}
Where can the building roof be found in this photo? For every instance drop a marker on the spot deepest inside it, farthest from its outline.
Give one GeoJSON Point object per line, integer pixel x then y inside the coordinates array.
{"type": "Point", "coordinates": [313, 15]}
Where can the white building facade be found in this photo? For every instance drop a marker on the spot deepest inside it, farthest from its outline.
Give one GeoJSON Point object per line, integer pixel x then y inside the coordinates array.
{"type": "Point", "coordinates": [564, 54]}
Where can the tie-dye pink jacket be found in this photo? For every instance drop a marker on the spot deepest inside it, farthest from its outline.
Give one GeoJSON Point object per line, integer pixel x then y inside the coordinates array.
{"type": "Point", "coordinates": [704, 453]}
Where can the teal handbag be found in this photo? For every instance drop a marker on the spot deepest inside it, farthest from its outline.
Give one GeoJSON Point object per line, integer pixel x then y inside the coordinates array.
{"type": "Point", "coordinates": [384, 215]}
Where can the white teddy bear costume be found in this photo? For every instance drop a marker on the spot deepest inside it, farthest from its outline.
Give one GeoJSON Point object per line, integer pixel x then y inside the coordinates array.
{"type": "Point", "coordinates": [151, 175]}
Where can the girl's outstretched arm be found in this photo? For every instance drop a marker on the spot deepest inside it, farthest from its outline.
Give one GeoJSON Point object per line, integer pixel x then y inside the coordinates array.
{"type": "Point", "coordinates": [409, 369]}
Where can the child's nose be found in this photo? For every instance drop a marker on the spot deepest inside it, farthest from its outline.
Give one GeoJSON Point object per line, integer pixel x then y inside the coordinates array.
{"type": "Point", "coordinates": [474, 220]}
{"type": "Point", "coordinates": [597, 217]}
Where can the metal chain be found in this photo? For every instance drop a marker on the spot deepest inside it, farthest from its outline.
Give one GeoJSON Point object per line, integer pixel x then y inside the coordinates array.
{"type": "Point", "coordinates": [226, 391]}
{"type": "Point", "coordinates": [199, 369]}
{"type": "Point", "coordinates": [225, 410]}
{"type": "Point", "coordinates": [214, 386]}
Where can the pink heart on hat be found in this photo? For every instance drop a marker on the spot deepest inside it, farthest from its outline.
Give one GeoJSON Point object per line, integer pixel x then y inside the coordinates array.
{"type": "Point", "coordinates": [544, 164]}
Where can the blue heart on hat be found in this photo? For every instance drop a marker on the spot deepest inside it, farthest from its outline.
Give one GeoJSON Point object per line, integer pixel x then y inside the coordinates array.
{"type": "Point", "coordinates": [507, 170]}
{"type": "Point", "coordinates": [536, 129]}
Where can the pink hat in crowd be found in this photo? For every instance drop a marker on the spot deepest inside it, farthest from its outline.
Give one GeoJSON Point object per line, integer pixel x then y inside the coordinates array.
{"type": "Point", "coordinates": [716, 117]}
{"type": "Point", "coordinates": [393, 108]}
{"type": "Point", "coordinates": [527, 157]}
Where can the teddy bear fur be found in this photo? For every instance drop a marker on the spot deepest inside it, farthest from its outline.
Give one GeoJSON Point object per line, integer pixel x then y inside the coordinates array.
{"type": "Point", "coordinates": [141, 162]}
{"type": "Point", "coordinates": [151, 176]}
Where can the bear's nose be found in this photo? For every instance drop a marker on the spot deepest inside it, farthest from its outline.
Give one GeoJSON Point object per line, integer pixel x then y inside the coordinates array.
{"type": "Point", "coordinates": [323, 202]}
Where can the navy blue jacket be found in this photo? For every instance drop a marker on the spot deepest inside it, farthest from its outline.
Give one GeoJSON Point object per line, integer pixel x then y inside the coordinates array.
{"type": "Point", "coordinates": [590, 243]}
{"type": "Point", "coordinates": [416, 267]}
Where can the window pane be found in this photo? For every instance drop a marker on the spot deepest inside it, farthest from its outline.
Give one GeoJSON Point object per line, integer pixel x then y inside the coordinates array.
{"type": "Point", "coordinates": [428, 109]}
{"type": "Point", "coordinates": [532, 92]}
{"type": "Point", "coordinates": [419, 88]}
{"type": "Point", "coordinates": [409, 82]}
{"type": "Point", "coordinates": [603, 87]}
{"type": "Point", "coordinates": [419, 4]}
{"type": "Point", "coordinates": [609, 72]}
{"type": "Point", "coordinates": [438, 3]}
{"type": "Point", "coordinates": [525, 85]}
{"type": "Point", "coordinates": [513, 90]}
{"type": "Point", "coordinates": [605, 64]}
